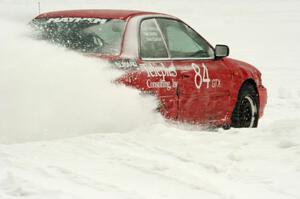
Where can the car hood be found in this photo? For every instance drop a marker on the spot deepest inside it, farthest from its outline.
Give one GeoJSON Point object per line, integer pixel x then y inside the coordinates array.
{"type": "Point", "coordinates": [242, 65]}
{"type": "Point", "coordinates": [242, 68]}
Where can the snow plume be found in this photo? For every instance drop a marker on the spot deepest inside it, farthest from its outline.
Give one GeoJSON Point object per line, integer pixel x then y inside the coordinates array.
{"type": "Point", "coordinates": [49, 92]}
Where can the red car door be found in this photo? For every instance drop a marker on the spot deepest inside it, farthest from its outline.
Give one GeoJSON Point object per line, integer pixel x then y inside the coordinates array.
{"type": "Point", "coordinates": [203, 90]}
{"type": "Point", "coordinates": [203, 82]}
{"type": "Point", "coordinates": [156, 73]}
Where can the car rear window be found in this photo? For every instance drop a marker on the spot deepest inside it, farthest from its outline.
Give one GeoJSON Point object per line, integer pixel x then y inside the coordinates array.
{"type": "Point", "coordinates": [88, 35]}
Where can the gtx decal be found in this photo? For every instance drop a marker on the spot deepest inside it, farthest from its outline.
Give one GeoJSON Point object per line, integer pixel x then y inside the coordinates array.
{"type": "Point", "coordinates": [216, 83]}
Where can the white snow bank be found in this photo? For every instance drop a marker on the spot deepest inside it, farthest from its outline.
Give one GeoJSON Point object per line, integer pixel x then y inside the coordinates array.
{"type": "Point", "coordinates": [161, 162]}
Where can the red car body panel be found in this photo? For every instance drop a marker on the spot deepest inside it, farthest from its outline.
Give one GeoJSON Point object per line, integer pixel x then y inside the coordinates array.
{"type": "Point", "coordinates": [104, 14]}
{"type": "Point", "coordinates": [176, 83]}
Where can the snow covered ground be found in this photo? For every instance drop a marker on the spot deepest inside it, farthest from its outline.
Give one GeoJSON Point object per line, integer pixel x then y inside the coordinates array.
{"type": "Point", "coordinates": [62, 135]}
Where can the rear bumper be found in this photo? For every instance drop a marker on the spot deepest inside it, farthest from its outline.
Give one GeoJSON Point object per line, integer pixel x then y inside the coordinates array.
{"type": "Point", "coordinates": [263, 96]}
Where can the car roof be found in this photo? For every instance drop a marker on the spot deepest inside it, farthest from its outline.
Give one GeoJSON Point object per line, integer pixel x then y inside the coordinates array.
{"type": "Point", "coordinates": [96, 13]}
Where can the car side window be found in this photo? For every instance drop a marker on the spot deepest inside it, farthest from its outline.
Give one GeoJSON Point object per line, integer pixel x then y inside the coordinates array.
{"type": "Point", "coordinates": [182, 41]}
{"type": "Point", "coordinates": [151, 41]}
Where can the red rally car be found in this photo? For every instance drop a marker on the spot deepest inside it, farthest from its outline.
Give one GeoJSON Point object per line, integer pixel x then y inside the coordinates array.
{"type": "Point", "coordinates": [163, 56]}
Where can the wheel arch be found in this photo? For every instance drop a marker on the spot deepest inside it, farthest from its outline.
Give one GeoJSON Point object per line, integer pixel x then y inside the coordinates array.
{"type": "Point", "coordinates": [247, 81]}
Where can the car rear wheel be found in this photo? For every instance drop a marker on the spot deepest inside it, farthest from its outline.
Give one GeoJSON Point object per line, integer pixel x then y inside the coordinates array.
{"type": "Point", "coordinates": [245, 113]}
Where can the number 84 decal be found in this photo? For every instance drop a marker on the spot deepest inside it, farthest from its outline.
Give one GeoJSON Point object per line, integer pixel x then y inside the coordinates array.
{"type": "Point", "coordinates": [202, 76]}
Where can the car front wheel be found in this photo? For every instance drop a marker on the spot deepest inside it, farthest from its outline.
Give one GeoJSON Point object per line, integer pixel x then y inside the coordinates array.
{"type": "Point", "coordinates": [245, 113]}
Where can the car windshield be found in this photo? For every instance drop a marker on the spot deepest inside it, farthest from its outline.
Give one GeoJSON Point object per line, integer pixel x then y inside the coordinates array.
{"type": "Point", "coordinates": [88, 35]}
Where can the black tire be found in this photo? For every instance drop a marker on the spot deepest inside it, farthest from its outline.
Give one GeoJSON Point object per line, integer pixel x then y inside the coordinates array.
{"type": "Point", "coordinates": [245, 113]}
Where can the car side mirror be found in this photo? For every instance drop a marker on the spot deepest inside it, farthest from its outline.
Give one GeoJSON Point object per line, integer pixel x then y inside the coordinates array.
{"type": "Point", "coordinates": [221, 51]}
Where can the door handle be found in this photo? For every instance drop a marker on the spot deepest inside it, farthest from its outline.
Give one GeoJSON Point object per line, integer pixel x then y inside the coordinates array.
{"type": "Point", "coordinates": [186, 76]}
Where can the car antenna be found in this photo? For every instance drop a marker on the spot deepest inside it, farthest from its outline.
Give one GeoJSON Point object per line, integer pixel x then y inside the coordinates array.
{"type": "Point", "coordinates": [39, 7]}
